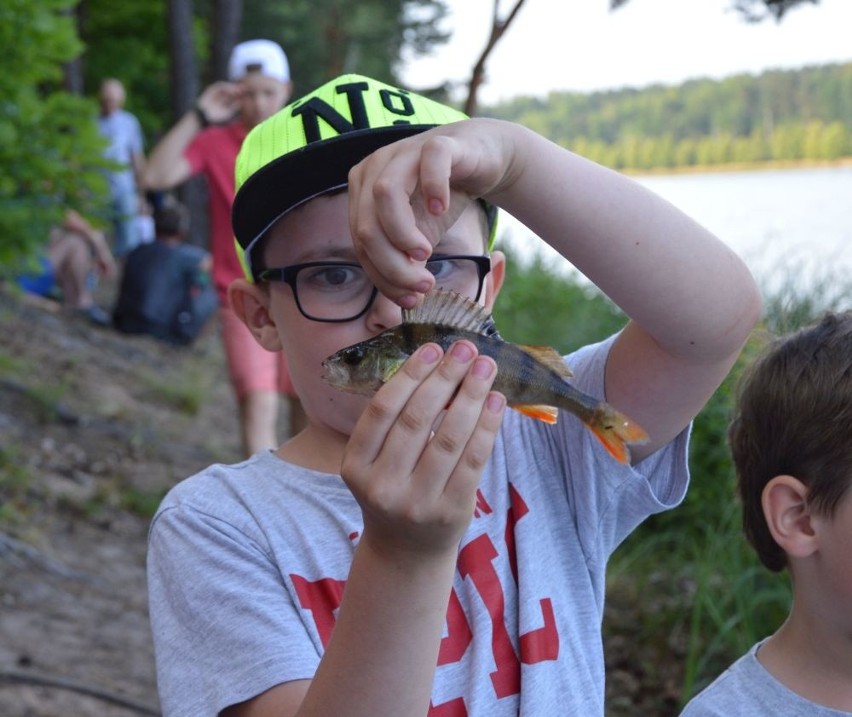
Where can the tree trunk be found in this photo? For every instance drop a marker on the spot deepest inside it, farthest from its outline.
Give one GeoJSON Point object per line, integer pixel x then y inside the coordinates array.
{"type": "Point", "coordinates": [184, 90]}
{"type": "Point", "coordinates": [72, 71]}
{"type": "Point", "coordinates": [227, 15]}
{"type": "Point", "coordinates": [183, 70]}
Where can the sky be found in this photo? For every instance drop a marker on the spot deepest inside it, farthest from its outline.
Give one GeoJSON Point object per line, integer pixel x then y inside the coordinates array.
{"type": "Point", "coordinates": [580, 46]}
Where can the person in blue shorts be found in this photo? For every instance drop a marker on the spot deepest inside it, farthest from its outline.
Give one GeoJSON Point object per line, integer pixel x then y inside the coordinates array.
{"type": "Point", "coordinates": [75, 252]}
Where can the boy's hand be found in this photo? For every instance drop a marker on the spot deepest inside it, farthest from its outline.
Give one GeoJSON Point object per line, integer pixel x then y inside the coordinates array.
{"type": "Point", "coordinates": [416, 489]}
{"type": "Point", "coordinates": [220, 102]}
{"type": "Point", "coordinates": [405, 196]}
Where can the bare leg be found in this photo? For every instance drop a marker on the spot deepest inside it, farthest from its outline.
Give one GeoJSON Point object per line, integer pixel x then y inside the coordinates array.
{"type": "Point", "coordinates": [71, 260]}
{"type": "Point", "coordinates": [258, 421]}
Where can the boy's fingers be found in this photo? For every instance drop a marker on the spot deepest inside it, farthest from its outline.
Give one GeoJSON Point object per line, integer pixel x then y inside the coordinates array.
{"type": "Point", "coordinates": [371, 431]}
{"type": "Point", "coordinates": [451, 451]}
{"type": "Point", "coordinates": [465, 478]}
{"type": "Point", "coordinates": [388, 241]}
{"type": "Point", "coordinates": [412, 431]}
{"type": "Point", "coordinates": [435, 169]}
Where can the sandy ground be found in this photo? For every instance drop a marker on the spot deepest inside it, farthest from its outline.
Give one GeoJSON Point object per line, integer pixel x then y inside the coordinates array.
{"type": "Point", "coordinates": [93, 429]}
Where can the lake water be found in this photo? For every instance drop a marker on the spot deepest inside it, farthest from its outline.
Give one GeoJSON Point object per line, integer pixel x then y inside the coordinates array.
{"type": "Point", "coordinates": [788, 225]}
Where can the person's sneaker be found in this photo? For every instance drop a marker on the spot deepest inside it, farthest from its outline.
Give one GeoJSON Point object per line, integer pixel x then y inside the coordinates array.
{"type": "Point", "coordinates": [96, 315]}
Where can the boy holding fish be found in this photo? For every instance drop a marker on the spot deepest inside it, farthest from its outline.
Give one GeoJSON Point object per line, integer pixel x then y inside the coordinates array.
{"type": "Point", "coordinates": [423, 551]}
{"type": "Point", "coordinates": [791, 440]}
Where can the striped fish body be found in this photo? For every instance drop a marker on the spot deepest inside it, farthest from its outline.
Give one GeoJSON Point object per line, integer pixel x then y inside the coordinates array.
{"type": "Point", "coordinates": [534, 379]}
{"type": "Point", "coordinates": [527, 376]}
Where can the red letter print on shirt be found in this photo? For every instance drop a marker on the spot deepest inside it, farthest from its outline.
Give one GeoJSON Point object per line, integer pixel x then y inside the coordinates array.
{"type": "Point", "coordinates": [477, 563]}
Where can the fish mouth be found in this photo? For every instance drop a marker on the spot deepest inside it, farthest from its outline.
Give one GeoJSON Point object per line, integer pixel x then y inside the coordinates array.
{"type": "Point", "coordinates": [333, 375]}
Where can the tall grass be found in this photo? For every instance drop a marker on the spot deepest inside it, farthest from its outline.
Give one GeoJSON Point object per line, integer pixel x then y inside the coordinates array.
{"type": "Point", "coordinates": [691, 581]}
{"type": "Point", "coordinates": [727, 599]}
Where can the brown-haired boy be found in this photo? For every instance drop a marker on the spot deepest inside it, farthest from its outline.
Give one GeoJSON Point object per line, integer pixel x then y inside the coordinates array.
{"type": "Point", "coordinates": [791, 440]}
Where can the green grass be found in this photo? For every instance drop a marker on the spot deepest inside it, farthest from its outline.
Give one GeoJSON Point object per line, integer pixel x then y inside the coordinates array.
{"type": "Point", "coordinates": [695, 593]}
{"type": "Point", "coordinates": [718, 600]}
{"type": "Point", "coordinates": [185, 393]}
{"type": "Point", "coordinates": [15, 481]}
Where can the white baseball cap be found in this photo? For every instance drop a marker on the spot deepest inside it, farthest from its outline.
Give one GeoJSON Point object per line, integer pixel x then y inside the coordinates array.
{"type": "Point", "coordinates": [263, 56]}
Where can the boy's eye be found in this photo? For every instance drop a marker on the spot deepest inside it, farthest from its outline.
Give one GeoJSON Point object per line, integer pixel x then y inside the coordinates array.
{"type": "Point", "coordinates": [440, 268]}
{"type": "Point", "coordinates": [334, 276]}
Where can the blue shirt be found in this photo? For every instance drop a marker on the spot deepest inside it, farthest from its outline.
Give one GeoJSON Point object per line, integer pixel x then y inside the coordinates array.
{"type": "Point", "coordinates": [124, 134]}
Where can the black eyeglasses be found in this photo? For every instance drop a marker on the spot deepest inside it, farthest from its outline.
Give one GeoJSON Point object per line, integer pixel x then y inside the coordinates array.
{"type": "Point", "coordinates": [338, 291]}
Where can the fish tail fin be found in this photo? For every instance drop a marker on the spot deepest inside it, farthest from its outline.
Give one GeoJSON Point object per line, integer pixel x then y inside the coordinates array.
{"type": "Point", "coordinates": [548, 414]}
{"type": "Point", "coordinates": [616, 432]}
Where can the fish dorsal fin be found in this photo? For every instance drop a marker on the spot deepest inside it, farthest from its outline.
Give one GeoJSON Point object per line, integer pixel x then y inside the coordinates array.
{"type": "Point", "coordinates": [448, 308]}
{"type": "Point", "coordinates": [550, 357]}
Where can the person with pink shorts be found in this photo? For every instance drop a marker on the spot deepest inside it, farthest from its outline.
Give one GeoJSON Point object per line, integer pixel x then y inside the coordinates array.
{"type": "Point", "coordinates": [206, 141]}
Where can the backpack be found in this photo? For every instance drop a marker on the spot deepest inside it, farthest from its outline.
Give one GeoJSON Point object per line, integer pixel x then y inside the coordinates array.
{"type": "Point", "coordinates": [158, 294]}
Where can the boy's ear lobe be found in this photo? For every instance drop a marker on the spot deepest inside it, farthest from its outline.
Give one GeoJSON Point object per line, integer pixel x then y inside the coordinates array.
{"type": "Point", "coordinates": [251, 305]}
{"type": "Point", "coordinates": [785, 507]}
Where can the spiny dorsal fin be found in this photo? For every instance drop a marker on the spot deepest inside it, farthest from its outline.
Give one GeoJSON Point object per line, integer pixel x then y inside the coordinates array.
{"type": "Point", "coordinates": [550, 357]}
{"type": "Point", "coordinates": [447, 308]}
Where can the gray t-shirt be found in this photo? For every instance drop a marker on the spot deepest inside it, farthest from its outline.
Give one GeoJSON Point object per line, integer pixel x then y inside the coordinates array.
{"type": "Point", "coordinates": [746, 688]}
{"type": "Point", "coordinates": [247, 565]}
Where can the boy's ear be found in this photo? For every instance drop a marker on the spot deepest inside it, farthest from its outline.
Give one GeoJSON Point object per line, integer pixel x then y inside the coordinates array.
{"type": "Point", "coordinates": [251, 305]}
{"type": "Point", "coordinates": [785, 507]}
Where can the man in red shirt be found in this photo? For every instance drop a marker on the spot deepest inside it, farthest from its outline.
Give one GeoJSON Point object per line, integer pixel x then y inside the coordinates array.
{"type": "Point", "coordinates": [206, 141]}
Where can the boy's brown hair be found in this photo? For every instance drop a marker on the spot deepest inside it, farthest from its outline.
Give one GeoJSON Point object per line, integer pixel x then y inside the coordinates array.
{"type": "Point", "coordinates": [171, 220]}
{"type": "Point", "coordinates": [794, 417]}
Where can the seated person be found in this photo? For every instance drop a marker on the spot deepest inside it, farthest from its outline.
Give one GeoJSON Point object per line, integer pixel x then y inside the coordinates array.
{"type": "Point", "coordinates": [75, 251]}
{"type": "Point", "coordinates": [791, 440]}
{"type": "Point", "coordinates": [165, 287]}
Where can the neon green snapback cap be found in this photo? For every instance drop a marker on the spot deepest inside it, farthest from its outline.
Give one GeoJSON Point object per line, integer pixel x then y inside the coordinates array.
{"type": "Point", "coordinates": [307, 148]}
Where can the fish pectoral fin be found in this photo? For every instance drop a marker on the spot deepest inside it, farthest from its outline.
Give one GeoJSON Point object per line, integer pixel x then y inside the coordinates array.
{"type": "Point", "coordinates": [548, 414]}
{"type": "Point", "coordinates": [550, 357]}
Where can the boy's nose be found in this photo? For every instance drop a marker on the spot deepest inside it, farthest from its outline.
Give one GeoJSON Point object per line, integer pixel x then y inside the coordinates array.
{"type": "Point", "coordinates": [383, 314]}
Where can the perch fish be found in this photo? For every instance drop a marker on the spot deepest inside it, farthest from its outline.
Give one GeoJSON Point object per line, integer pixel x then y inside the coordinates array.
{"type": "Point", "coordinates": [534, 379]}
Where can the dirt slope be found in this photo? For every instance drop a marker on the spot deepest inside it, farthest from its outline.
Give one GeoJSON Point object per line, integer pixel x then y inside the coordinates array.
{"type": "Point", "coordinates": [94, 427]}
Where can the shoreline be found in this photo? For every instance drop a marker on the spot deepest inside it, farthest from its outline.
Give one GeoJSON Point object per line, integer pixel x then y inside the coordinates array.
{"type": "Point", "coordinates": [769, 165]}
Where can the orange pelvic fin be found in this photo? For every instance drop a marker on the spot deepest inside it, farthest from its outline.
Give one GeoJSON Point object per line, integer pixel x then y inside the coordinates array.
{"type": "Point", "coordinates": [616, 431]}
{"type": "Point", "coordinates": [548, 414]}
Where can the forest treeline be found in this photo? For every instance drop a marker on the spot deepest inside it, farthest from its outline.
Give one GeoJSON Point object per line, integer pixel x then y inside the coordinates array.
{"type": "Point", "coordinates": [777, 116]}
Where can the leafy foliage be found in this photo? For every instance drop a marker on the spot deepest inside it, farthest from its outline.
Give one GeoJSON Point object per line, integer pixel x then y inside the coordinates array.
{"type": "Point", "coordinates": [780, 115]}
{"type": "Point", "coordinates": [325, 38]}
{"type": "Point", "coordinates": [728, 600]}
{"type": "Point", "coordinates": [540, 306]}
{"type": "Point", "coordinates": [50, 150]}
{"type": "Point", "coordinates": [128, 41]}
{"type": "Point", "coordinates": [750, 10]}
{"type": "Point", "coordinates": [758, 10]}
{"type": "Point", "coordinates": [694, 580]}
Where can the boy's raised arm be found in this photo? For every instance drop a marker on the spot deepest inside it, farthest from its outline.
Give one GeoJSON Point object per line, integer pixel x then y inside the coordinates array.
{"type": "Point", "coordinates": [692, 302]}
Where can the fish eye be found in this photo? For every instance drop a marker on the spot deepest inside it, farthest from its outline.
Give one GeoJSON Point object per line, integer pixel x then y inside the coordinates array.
{"type": "Point", "coordinates": [353, 356]}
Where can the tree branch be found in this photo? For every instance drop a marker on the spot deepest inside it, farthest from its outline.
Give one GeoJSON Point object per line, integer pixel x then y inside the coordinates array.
{"type": "Point", "coordinates": [498, 29]}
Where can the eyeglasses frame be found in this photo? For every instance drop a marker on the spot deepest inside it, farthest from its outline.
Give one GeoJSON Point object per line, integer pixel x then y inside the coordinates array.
{"type": "Point", "coordinates": [288, 274]}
